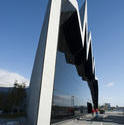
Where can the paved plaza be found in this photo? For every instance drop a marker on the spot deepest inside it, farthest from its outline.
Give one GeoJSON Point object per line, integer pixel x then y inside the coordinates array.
{"type": "Point", "coordinates": [109, 118]}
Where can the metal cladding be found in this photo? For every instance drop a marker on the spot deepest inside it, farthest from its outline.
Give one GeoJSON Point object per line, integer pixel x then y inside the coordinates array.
{"type": "Point", "coordinates": [76, 43]}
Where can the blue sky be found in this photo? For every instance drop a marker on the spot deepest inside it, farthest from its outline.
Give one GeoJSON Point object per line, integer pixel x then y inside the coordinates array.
{"type": "Point", "coordinates": [20, 26]}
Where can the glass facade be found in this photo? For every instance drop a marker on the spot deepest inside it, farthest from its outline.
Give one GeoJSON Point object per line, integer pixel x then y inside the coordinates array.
{"type": "Point", "coordinates": [70, 94]}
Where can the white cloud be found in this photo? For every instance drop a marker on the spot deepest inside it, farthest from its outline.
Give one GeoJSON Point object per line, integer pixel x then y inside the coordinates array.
{"type": "Point", "coordinates": [110, 84]}
{"type": "Point", "coordinates": [7, 78]}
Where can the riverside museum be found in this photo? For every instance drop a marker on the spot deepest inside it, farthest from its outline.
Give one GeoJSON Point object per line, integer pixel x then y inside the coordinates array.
{"type": "Point", "coordinates": [63, 83]}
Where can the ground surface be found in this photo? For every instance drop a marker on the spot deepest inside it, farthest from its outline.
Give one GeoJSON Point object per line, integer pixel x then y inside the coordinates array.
{"type": "Point", "coordinates": [109, 118]}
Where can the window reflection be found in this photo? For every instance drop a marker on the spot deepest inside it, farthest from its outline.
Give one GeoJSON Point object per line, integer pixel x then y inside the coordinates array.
{"type": "Point", "coordinates": [71, 94]}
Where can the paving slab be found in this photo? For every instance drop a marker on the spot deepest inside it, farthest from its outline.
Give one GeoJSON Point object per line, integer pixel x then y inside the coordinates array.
{"type": "Point", "coordinates": [110, 118]}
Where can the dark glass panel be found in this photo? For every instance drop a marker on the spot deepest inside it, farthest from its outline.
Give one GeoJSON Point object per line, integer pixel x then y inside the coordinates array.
{"type": "Point", "coordinates": [71, 94]}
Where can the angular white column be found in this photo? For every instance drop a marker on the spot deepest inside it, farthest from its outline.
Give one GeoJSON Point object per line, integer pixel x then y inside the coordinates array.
{"type": "Point", "coordinates": [42, 79]}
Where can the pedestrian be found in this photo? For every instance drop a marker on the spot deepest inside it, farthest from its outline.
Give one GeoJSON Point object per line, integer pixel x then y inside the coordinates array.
{"type": "Point", "coordinates": [96, 113]}
{"type": "Point", "coordinates": [93, 111]}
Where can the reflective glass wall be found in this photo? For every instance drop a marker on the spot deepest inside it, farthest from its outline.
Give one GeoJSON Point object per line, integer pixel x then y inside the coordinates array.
{"type": "Point", "coordinates": [71, 94]}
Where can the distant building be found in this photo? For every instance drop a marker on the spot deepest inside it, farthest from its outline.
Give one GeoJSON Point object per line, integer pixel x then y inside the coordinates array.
{"type": "Point", "coordinates": [107, 106]}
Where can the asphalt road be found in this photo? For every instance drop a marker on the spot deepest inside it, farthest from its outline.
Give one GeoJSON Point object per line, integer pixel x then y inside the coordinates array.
{"type": "Point", "coordinates": [109, 118]}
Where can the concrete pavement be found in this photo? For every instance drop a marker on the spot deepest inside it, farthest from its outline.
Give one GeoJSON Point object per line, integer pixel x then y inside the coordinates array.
{"type": "Point", "coordinates": [110, 118]}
